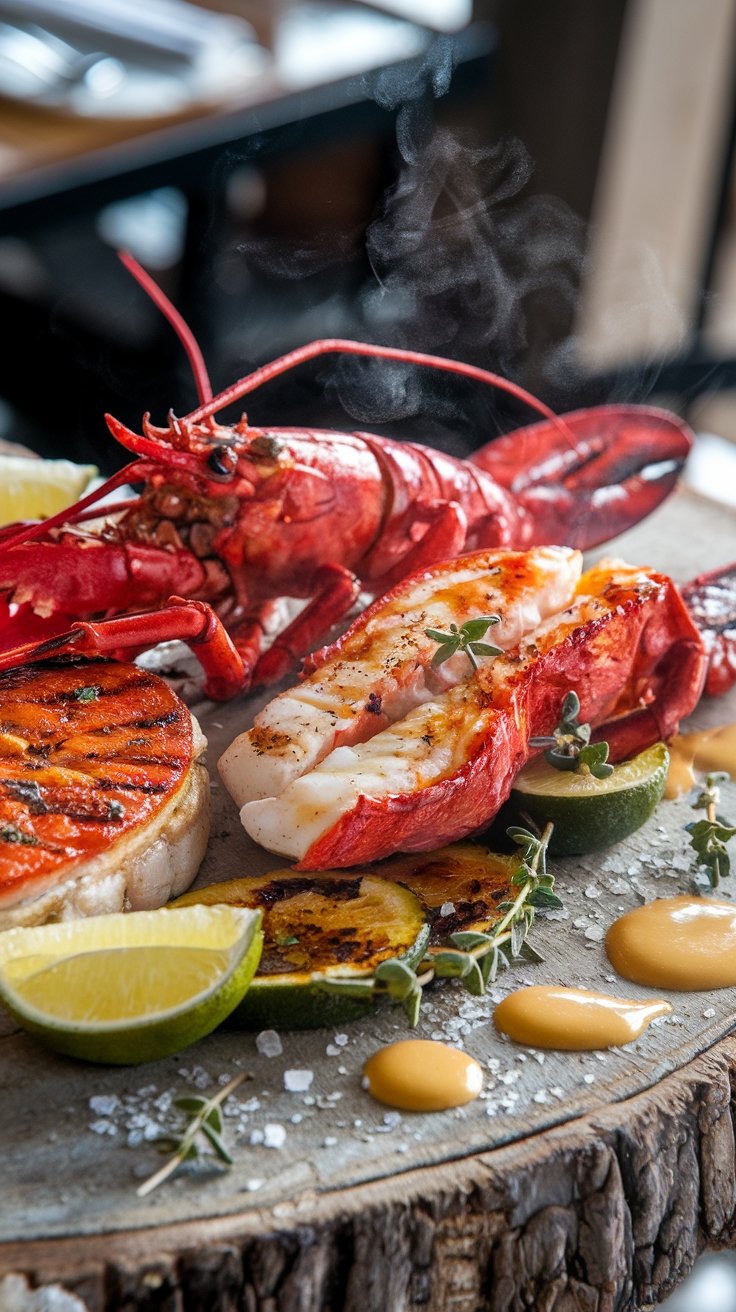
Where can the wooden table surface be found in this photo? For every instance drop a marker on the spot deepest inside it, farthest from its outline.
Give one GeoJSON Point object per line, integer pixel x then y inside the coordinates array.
{"type": "Point", "coordinates": [578, 1181]}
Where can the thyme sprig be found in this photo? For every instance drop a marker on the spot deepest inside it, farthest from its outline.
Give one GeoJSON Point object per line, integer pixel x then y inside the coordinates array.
{"type": "Point", "coordinates": [569, 745]}
{"type": "Point", "coordinates": [467, 638]}
{"type": "Point", "coordinates": [206, 1120]}
{"type": "Point", "coordinates": [470, 956]}
{"type": "Point", "coordinates": [708, 837]}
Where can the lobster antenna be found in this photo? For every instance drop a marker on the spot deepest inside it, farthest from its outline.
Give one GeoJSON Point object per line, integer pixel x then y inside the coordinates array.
{"type": "Point", "coordinates": [175, 320]}
{"type": "Point", "coordinates": [343, 346]}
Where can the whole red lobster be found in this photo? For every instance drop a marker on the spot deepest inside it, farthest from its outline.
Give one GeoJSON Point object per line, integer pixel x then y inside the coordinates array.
{"type": "Point", "coordinates": [236, 518]}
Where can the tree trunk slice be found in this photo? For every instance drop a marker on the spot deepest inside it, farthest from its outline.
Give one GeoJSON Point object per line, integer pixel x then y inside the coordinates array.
{"type": "Point", "coordinates": [604, 1213]}
{"type": "Point", "coordinates": [591, 1188]}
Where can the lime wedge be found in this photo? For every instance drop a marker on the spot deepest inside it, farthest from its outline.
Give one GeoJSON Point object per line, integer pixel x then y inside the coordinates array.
{"type": "Point", "coordinates": [589, 813]}
{"type": "Point", "coordinates": [33, 489]}
{"type": "Point", "coordinates": [133, 987]}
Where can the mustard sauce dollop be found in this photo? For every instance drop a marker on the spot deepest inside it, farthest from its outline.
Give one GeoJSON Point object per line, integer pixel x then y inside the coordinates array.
{"type": "Point", "coordinates": [574, 1020]}
{"type": "Point", "coordinates": [709, 750]}
{"type": "Point", "coordinates": [676, 943]}
{"type": "Point", "coordinates": [422, 1075]}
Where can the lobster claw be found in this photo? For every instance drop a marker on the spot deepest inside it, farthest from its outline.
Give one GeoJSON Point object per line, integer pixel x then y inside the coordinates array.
{"type": "Point", "coordinates": [591, 474]}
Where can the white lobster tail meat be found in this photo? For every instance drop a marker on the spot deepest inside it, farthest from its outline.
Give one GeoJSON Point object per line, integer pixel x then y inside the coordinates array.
{"type": "Point", "coordinates": [382, 668]}
{"type": "Point", "coordinates": [444, 769]}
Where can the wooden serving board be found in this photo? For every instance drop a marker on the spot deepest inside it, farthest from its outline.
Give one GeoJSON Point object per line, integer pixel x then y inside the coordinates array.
{"type": "Point", "coordinates": [576, 1181]}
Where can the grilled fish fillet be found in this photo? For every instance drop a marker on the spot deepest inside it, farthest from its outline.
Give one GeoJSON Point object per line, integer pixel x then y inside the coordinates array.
{"type": "Point", "coordinates": [104, 804]}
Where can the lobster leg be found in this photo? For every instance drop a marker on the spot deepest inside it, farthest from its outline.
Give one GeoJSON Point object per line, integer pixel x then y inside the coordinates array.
{"type": "Point", "coordinates": [337, 590]}
{"type": "Point", "coordinates": [194, 622]}
{"type": "Point", "coordinates": [249, 632]}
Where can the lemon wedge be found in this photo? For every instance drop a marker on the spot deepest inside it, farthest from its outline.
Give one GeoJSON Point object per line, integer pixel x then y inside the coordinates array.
{"type": "Point", "coordinates": [132, 987]}
{"type": "Point", "coordinates": [33, 489]}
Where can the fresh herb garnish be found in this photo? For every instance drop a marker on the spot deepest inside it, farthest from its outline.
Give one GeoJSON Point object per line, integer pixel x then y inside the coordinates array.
{"type": "Point", "coordinates": [470, 956]}
{"type": "Point", "coordinates": [708, 837]}
{"type": "Point", "coordinates": [90, 693]}
{"type": "Point", "coordinates": [206, 1120]}
{"type": "Point", "coordinates": [467, 638]}
{"type": "Point", "coordinates": [569, 745]}
{"type": "Point", "coordinates": [10, 833]}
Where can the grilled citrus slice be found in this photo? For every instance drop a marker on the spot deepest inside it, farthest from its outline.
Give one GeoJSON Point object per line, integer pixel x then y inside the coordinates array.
{"type": "Point", "coordinates": [330, 925]}
{"type": "Point", "coordinates": [460, 885]}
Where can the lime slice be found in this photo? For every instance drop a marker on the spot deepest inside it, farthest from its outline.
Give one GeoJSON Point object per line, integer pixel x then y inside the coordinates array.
{"type": "Point", "coordinates": [33, 489]}
{"type": "Point", "coordinates": [589, 813]}
{"type": "Point", "coordinates": [328, 924]}
{"type": "Point", "coordinates": [133, 987]}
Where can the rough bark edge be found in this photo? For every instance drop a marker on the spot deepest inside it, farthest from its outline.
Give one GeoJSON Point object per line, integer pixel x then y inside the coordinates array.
{"type": "Point", "coordinates": [603, 1214]}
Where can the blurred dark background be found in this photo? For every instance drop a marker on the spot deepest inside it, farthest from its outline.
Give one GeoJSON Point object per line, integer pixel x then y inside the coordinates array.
{"type": "Point", "coordinates": [440, 200]}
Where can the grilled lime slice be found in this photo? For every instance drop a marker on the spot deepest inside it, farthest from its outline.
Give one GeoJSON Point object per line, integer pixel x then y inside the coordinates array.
{"type": "Point", "coordinates": [330, 924]}
{"type": "Point", "coordinates": [460, 885]}
{"type": "Point", "coordinates": [132, 987]}
{"type": "Point", "coordinates": [589, 813]}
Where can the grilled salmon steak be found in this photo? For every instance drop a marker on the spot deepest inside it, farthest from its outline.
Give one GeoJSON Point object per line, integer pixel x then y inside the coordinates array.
{"type": "Point", "coordinates": [104, 805]}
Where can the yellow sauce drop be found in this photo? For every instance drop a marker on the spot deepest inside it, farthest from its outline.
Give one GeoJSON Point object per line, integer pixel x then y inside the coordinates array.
{"type": "Point", "coordinates": [421, 1075]}
{"type": "Point", "coordinates": [711, 749]}
{"type": "Point", "coordinates": [676, 943]}
{"type": "Point", "coordinates": [575, 1020]}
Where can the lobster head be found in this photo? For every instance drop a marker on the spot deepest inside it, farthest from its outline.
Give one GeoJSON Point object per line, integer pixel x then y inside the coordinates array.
{"type": "Point", "coordinates": [217, 458]}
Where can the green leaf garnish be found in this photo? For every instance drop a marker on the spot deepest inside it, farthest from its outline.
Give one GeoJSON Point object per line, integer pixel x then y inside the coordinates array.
{"type": "Point", "coordinates": [708, 838]}
{"type": "Point", "coordinates": [569, 746]}
{"type": "Point", "coordinates": [467, 638]}
{"type": "Point", "coordinates": [206, 1120]}
{"type": "Point", "coordinates": [90, 693]}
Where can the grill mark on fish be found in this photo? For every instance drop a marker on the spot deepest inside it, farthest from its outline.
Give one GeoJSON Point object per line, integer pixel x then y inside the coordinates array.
{"type": "Point", "coordinates": [28, 791]}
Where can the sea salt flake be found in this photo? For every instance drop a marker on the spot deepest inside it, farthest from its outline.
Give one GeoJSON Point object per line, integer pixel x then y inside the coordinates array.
{"type": "Point", "coordinates": [269, 1043]}
{"type": "Point", "coordinates": [708, 1012]}
{"type": "Point", "coordinates": [540, 1096]}
{"type": "Point", "coordinates": [589, 1079]}
{"type": "Point", "coordinates": [329, 1141]}
{"type": "Point", "coordinates": [103, 1127]}
{"type": "Point", "coordinates": [274, 1135]}
{"type": "Point", "coordinates": [252, 1185]}
{"type": "Point", "coordinates": [447, 909]}
{"type": "Point", "coordinates": [341, 1040]}
{"type": "Point", "coordinates": [298, 1081]}
{"type": "Point", "coordinates": [332, 1051]}
{"type": "Point", "coordinates": [595, 933]}
{"type": "Point", "coordinates": [592, 890]}
{"type": "Point", "coordinates": [104, 1104]}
